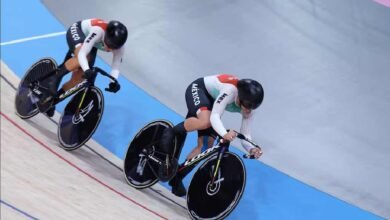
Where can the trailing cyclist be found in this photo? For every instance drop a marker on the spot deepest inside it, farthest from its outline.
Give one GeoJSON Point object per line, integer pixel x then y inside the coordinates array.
{"type": "Point", "coordinates": [207, 98]}
{"type": "Point", "coordinates": [84, 38]}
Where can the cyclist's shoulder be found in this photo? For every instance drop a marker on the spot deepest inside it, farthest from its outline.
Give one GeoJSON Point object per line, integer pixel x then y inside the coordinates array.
{"type": "Point", "coordinates": [221, 83]}
{"type": "Point", "coordinates": [94, 21]}
{"type": "Point", "coordinates": [95, 24]}
{"type": "Point", "coordinates": [226, 80]}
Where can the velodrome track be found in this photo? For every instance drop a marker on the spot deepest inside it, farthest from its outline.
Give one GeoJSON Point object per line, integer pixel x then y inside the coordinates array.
{"type": "Point", "coordinates": [270, 194]}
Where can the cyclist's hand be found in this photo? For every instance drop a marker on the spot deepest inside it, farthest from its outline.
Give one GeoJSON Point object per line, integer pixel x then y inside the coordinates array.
{"type": "Point", "coordinates": [89, 73]}
{"type": "Point", "coordinates": [256, 152]}
{"type": "Point", "coordinates": [113, 87]}
{"type": "Point", "coordinates": [230, 135]}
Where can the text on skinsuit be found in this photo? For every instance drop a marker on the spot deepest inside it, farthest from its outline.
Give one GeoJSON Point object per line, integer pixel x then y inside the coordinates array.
{"type": "Point", "coordinates": [221, 98]}
{"type": "Point", "coordinates": [73, 31]}
{"type": "Point", "coordinates": [91, 37]}
{"type": "Point", "coordinates": [195, 94]}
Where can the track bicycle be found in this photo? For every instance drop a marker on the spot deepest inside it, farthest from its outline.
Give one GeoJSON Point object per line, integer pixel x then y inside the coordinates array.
{"type": "Point", "coordinates": [217, 185]}
{"type": "Point", "coordinates": [81, 115]}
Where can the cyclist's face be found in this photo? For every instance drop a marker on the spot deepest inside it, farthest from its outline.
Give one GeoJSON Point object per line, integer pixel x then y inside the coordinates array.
{"type": "Point", "coordinates": [244, 107]}
{"type": "Point", "coordinates": [245, 110]}
{"type": "Point", "coordinates": [107, 48]}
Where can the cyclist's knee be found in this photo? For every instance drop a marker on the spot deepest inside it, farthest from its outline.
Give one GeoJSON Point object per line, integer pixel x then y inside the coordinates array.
{"type": "Point", "coordinates": [204, 118]}
{"type": "Point", "coordinates": [205, 124]}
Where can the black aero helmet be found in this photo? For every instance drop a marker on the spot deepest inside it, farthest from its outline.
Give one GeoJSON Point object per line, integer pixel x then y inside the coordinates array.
{"type": "Point", "coordinates": [116, 35]}
{"type": "Point", "coordinates": [250, 93]}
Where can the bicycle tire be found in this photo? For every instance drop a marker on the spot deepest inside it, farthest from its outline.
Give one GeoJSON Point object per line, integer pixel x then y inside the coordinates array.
{"type": "Point", "coordinates": [24, 106]}
{"type": "Point", "coordinates": [73, 132]}
{"type": "Point", "coordinates": [217, 202]}
{"type": "Point", "coordinates": [138, 172]}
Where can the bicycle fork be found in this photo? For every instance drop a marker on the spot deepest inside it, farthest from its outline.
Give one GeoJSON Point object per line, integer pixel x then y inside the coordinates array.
{"type": "Point", "coordinates": [77, 113]}
{"type": "Point", "coordinates": [214, 176]}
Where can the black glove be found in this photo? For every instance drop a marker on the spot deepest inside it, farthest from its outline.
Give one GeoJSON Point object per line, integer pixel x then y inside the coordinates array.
{"type": "Point", "coordinates": [89, 73]}
{"type": "Point", "coordinates": [113, 87]}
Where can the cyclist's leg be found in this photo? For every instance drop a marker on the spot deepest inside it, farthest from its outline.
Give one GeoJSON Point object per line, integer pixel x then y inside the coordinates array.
{"type": "Point", "coordinates": [197, 149]}
{"type": "Point", "coordinates": [77, 72]}
{"type": "Point", "coordinates": [68, 55]}
{"type": "Point", "coordinates": [200, 103]}
{"type": "Point", "coordinates": [74, 40]}
{"type": "Point", "coordinates": [71, 64]}
{"type": "Point", "coordinates": [206, 139]}
{"type": "Point", "coordinates": [200, 122]}
{"type": "Point", "coordinates": [77, 77]}
{"type": "Point", "coordinates": [199, 106]}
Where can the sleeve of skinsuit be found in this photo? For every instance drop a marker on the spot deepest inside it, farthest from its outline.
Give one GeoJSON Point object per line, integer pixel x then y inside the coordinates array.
{"type": "Point", "coordinates": [225, 97]}
{"type": "Point", "coordinates": [116, 61]}
{"type": "Point", "coordinates": [95, 35]}
{"type": "Point", "coordinates": [245, 130]}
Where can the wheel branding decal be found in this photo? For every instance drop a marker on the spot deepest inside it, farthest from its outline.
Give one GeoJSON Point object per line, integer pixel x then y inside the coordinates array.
{"type": "Point", "coordinates": [77, 118]}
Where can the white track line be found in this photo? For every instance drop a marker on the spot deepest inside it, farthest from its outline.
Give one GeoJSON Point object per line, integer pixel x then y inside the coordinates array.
{"type": "Point", "coordinates": [32, 38]}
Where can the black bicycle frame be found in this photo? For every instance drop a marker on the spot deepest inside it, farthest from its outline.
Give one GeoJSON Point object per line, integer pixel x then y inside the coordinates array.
{"type": "Point", "coordinates": [85, 84]}
{"type": "Point", "coordinates": [221, 148]}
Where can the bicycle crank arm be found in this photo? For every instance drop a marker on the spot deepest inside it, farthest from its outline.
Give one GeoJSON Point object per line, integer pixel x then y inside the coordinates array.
{"type": "Point", "coordinates": [155, 159]}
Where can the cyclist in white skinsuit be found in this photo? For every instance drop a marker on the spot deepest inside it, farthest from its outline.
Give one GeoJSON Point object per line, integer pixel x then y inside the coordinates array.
{"type": "Point", "coordinates": [84, 38]}
{"type": "Point", "coordinates": [207, 99]}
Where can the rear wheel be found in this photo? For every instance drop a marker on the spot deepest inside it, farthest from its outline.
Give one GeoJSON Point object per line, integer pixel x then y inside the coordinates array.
{"type": "Point", "coordinates": [25, 101]}
{"type": "Point", "coordinates": [216, 201]}
{"type": "Point", "coordinates": [76, 126]}
{"type": "Point", "coordinates": [140, 171]}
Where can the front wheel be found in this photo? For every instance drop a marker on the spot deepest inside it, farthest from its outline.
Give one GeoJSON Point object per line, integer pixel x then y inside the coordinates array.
{"type": "Point", "coordinates": [25, 102]}
{"type": "Point", "coordinates": [141, 171]}
{"type": "Point", "coordinates": [215, 201]}
{"type": "Point", "coordinates": [77, 125]}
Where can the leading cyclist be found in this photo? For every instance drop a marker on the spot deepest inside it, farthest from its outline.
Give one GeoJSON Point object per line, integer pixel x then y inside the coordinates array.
{"type": "Point", "coordinates": [84, 38]}
{"type": "Point", "coordinates": [207, 98]}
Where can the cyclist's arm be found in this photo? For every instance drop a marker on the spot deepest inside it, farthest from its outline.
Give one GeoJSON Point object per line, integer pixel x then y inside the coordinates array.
{"type": "Point", "coordinates": [116, 61]}
{"type": "Point", "coordinates": [93, 37]}
{"type": "Point", "coordinates": [225, 97]}
{"type": "Point", "coordinates": [245, 130]}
